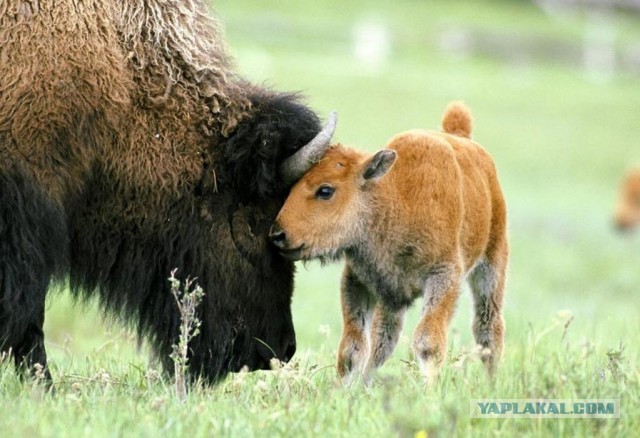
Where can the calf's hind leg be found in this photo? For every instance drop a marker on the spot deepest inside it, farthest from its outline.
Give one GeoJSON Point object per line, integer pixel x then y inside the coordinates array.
{"type": "Point", "coordinates": [441, 292]}
{"type": "Point", "coordinates": [487, 285]}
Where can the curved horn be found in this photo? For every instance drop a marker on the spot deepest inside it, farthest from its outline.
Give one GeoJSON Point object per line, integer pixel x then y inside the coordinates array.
{"type": "Point", "coordinates": [292, 169]}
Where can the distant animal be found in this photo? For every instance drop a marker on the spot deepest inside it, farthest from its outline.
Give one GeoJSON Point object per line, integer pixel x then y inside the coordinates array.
{"type": "Point", "coordinates": [627, 215]}
{"type": "Point", "coordinates": [412, 220]}
{"type": "Point", "coordinates": [129, 146]}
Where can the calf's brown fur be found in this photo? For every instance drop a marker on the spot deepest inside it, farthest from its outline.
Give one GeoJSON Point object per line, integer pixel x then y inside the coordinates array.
{"type": "Point", "coordinates": [414, 219]}
{"type": "Point", "coordinates": [627, 215]}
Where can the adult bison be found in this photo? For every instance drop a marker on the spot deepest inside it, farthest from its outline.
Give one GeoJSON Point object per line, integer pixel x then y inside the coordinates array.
{"type": "Point", "coordinates": [129, 147]}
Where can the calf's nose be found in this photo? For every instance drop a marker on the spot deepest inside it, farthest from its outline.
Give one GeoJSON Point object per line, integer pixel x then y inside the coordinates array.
{"type": "Point", "coordinates": [278, 237]}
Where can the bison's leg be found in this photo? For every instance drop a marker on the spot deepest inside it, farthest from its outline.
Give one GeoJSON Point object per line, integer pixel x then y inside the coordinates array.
{"type": "Point", "coordinates": [385, 332]}
{"type": "Point", "coordinates": [357, 305]}
{"type": "Point", "coordinates": [29, 352]}
{"type": "Point", "coordinates": [441, 291]}
{"type": "Point", "coordinates": [487, 284]}
{"type": "Point", "coordinates": [33, 249]}
{"type": "Point", "coordinates": [22, 310]}
{"type": "Point", "coordinates": [24, 340]}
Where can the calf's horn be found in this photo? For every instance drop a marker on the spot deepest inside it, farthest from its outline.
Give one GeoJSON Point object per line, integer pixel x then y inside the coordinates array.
{"type": "Point", "coordinates": [292, 169]}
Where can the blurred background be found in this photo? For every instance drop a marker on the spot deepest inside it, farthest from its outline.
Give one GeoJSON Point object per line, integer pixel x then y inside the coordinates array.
{"type": "Point", "coordinates": [554, 87]}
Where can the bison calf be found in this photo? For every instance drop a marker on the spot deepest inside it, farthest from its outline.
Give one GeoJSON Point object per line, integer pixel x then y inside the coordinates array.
{"type": "Point", "coordinates": [627, 214]}
{"type": "Point", "coordinates": [414, 219]}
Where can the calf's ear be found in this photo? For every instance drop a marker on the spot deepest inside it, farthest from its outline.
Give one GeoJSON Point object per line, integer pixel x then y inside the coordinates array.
{"type": "Point", "coordinates": [379, 164]}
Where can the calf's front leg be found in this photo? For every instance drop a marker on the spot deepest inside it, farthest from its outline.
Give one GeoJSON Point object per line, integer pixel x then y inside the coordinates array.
{"type": "Point", "coordinates": [385, 332]}
{"type": "Point", "coordinates": [357, 305]}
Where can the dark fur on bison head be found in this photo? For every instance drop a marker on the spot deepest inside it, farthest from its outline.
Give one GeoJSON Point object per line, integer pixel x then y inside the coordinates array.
{"type": "Point", "coordinates": [254, 152]}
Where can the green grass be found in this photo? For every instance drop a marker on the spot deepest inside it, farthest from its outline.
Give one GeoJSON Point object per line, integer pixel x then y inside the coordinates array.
{"type": "Point", "coordinates": [561, 142]}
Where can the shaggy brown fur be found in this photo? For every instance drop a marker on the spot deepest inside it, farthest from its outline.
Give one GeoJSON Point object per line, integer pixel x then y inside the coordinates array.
{"type": "Point", "coordinates": [627, 215]}
{"type": "Point", "coordinates": [412, 220]}
{"type": "Point", "coordinates": [151, 77]}
{"type": "Point", "coordinates": [130, 147]}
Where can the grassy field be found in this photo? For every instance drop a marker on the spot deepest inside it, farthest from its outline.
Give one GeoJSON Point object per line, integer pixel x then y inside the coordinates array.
{"type": "Point", "coordinates": [561, 137]}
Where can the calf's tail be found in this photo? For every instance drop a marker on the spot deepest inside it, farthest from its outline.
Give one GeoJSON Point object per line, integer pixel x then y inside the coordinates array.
{"type": "Point", "coordinates": [457, 120]}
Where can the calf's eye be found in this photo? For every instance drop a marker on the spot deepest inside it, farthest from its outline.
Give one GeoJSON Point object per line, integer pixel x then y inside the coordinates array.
{"type": "Point", "coordinates": [325, 192]}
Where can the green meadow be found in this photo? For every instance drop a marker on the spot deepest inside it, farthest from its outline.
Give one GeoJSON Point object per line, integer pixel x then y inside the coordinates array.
{"type": "Point", "coordinates": [562, 127]}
